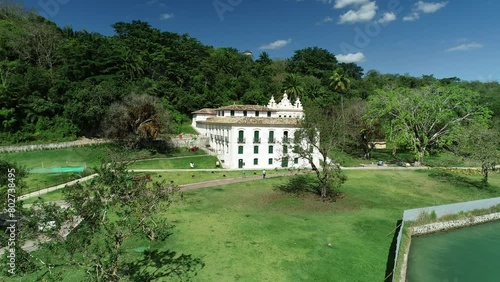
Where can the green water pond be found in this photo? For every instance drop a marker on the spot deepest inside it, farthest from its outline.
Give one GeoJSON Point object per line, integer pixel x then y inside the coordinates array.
{"type": "Point", "coordinates": [466, 254]}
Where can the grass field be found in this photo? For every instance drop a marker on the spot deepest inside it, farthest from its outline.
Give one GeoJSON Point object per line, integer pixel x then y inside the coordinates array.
{"type": "Point", "coordinates": [179, 178]}
{"type": "Point", "coordinates": [186, 128]}
{"type": "Point", "coordinates": [249, 232]}
{"type": "Point", "coordinates": [89, 156]}
{"type": "Point", "coordinates": [252, 233]}
{"type": "Point", "coordinates": [443, 159]}
{"type": "Point", "coordinates": [36, 182]}
{"type": "Point", "coordinates": [201, 162]}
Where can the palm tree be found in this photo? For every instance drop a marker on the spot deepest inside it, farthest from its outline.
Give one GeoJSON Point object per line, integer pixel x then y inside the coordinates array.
{"type": "Point", "coordinates": [340, 83]}
{"type": "Point", "coordinates": [133, 64]}
{"type": "Point", "coordinates": [293, 86]}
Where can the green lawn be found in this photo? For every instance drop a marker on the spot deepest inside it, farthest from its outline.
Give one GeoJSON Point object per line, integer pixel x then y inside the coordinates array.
{"type": "Point", "coordinates": [90, 156]}
{"type": "Point", "coordinates": [442, 159]}
{"type": "Point", "coordinates": [207, 162]}
{"type": "Point", "coordinates": [36, 182]}
{"type": "Point", "coordinates": [186, 128]}
{"type": "Point", "coordinates": [249, 232]}
{"type": "Point", "coordinates": [252, 233]}
{"type": "Point", "coordinates": [52, 196]}
{"type": "Point", "coordinates": [179, 178]}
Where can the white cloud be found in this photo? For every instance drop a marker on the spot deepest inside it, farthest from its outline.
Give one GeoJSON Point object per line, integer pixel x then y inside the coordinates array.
{"type": "Point", "coordinates": [276, 44]}
{"type": "Point", "coordinates": [351, 58]}
{"type": "Point", "coordinates": [387, 17]}
{"type": "Point", "coordinates": [365, 13]}
{"type": "Point", "coordinates": [411, 17]}
{"type": "Point", "coordinates": [465, 47]}
{"type": "Point", "coordinates": [430, 7]}
{"type": "Point", "coordinates": [165, 17]}
{"type": "Point", "coordinates": [327, 19]}
{"type": "Point", "coordinates": [424, 7]}
{"type": "Point", "coordinates": [325, 1]}
{"type": "Point", "coordinates": [339, 4]}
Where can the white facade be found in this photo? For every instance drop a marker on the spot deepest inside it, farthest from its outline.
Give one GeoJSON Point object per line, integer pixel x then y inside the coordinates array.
{"type": "Point", "coordinates": [202, 115]}
{"type": "Point", "coordinates": [254, 137]}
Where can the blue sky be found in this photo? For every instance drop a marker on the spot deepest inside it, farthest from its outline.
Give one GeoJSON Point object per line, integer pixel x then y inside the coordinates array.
{"type": "Point", "coordinates": [445, 38]}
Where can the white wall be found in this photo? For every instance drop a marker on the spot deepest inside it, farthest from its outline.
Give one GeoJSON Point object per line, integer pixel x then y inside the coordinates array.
{"type": "Point", "coordinates": [232, 158]}
{"type": "Point", "coordinates": [201, 128]}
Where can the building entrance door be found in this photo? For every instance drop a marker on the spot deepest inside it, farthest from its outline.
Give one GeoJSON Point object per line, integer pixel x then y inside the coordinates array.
{"type": "Point", "coordinates": [284, 162]}
{"type": "Point", "coordinates": [240, 163]}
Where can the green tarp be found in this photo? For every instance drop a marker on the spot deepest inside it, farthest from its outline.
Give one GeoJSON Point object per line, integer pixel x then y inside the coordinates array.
{"type": "Point", "coordinates": [58, 169]}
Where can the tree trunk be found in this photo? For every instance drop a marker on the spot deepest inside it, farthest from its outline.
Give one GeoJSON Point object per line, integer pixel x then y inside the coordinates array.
{"type": "Point", "coordinates": [484, 171]}
{"type": "Point", "coordinates": [421, 154]}
{"type": "Point", "coordinates": [343, 120]}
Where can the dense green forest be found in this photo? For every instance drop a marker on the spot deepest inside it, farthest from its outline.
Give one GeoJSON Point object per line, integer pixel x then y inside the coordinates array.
{"type": "Point", "coordinates": [57, 83]}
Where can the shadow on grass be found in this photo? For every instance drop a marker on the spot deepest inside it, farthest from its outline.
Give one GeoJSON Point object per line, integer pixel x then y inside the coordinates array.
{"type": "Point", "coordinates": [164, 264]}
{"type": "Point", "coordinates": [460, 181]}
{"type": "Point", "coordinates": [391, 257]}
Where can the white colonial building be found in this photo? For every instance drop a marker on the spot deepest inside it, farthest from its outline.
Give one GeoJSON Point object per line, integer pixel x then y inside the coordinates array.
{"type": "Point", "coordinates": [253, 137]}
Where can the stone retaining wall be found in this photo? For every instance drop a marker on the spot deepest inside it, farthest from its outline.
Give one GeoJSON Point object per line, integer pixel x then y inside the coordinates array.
{"type": "Point", "coordinates": [185, 141]}
{"type": "Point", "coordinates": [52, 146]}
{"type": "Point", "coordinates": [453, 224]}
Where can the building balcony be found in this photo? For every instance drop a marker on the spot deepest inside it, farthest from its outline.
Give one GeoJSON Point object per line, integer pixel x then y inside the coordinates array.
{"type": "Point", "coordinates": [256, 140]}
{"type": "Point", "coordinates": [241, 140]}
{"type": "Point", "coordinates": [226, 139]}
{"type": "Point", "coordinates": [271, 140]}
{"type": "Point", "coordinates": [286, 140]}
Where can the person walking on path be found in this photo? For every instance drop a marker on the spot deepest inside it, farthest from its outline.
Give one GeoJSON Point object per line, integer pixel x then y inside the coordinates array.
{"type": "Point", "coordinates": [264, 173]}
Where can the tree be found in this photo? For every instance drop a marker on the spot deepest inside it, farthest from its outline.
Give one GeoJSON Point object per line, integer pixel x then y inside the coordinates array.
{"type": "Point", "coordinates": [116, 207]}
{"type": "Point", "coordinates": [313, 61]}
{"type": "Point", "coordinates": [480, 143]}
{"type": "Point", "coordinates": [358, 132]}
{"type": "Point", "coordinates": [340, 83]}
{"type": "Point", "coordinates": [136, 118]}
{"type": "Point", "coordinates": [293, 85]}
{"type": "Point", "coordinates": [352, 70]}
{"type": "Point", "coordinates": [319, 132]}
{"type": "Point", "coordinates": [39, 45]}
{"type": "Point", "coordinates": [11, 187]}
{"type": "Point", "coordinates": [264, 59]}
{"type": "Point", "coordinates": [425, 117]}
{"type": "Point", "coordinates": [313, 89]}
